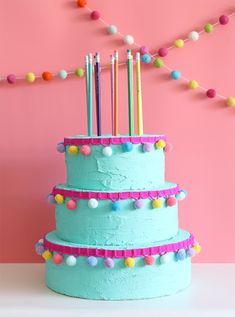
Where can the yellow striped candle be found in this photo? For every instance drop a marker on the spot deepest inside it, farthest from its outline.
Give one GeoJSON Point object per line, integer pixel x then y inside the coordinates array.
{"type": "Point", "coordinates": [139, 96]}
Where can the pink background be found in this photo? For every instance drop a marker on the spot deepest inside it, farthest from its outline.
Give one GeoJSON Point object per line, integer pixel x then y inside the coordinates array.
{"type": "Point", "coordinates": [52, 35]}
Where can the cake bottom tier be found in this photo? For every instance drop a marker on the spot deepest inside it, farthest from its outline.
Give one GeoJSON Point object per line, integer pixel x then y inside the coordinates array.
{"type": "Point", "coordinates": [153, 272]}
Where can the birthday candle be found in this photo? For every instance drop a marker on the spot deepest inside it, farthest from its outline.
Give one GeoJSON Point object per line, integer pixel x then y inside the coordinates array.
{"type": "Point", "coordinates": [130, 91]}
{"type": "Point", "coordinates": [112, 90]}
{"type": "Point", "coordinates": [97, 91]}
{"type": "Point", "coordinates": [115, 93]}
{"type": "Point", "coordinates": [90, 65]}
{"type": "Point", "coordinates": [139, 95]}
{"type": "Point", "coordinates": [87, 89]}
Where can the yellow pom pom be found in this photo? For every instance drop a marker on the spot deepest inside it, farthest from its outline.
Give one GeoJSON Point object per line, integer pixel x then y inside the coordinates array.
{"type": "Point", "coordinates": [197, 248]}
{"type": "Point", "coordinates": [193, 84]}
{"type": "Point", "coordinates": [160, 144]}
{"type": "Point", "coordinates": [230, 101]}
{"type": "Point", "coordinates": [179, 43]}
{"type": "Point", "coordinates": [59, 199]}
{"type": "Point", "coordinates": [30, 77]}
{"type": "Point", "coordinates": [47, 255]}
{"type": "Point", "coordinates": [129, 262]}
{"type": "Point", "coordinates": [157, 203]}
{"type": "Point", "coordinates": [73, 150]}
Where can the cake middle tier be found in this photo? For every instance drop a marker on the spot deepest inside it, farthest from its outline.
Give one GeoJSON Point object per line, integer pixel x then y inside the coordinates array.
{"type": "Point", "coordinates": [116, 218]}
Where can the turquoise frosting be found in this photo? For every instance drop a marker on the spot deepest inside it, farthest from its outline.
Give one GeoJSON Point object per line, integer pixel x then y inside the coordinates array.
{"type": "Point", "coordinates": [106, 227]}
{"type": "Point", "coordinates": [120, 282]}
{"type": "Point", "coordinates": [135, 170]}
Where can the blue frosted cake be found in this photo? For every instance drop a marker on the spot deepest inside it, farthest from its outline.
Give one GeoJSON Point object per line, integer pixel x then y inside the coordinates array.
{"type": "Point", "coordinates": [117, 234]}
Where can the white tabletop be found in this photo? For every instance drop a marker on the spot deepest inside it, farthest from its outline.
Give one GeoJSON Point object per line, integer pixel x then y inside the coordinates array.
{"type": "Point", "coordinates": [23, 293]}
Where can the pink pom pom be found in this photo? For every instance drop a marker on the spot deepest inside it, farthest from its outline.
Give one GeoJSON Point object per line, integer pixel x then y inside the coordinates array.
{"type": "Point", "coordinates": [138, 203]}
{"type": "Point", "coordinates": [168, 148]}
{"type": "Point", "coordinates": [171, 201]}
{"type": "Point", "coordinates": [57, 259]}
{"type": "Point", "coordinates": [85, 150]}
{"type": "Point", "coordinates": [163, 51]}
{"type": "Point", "coordinates": [149, 260]}
{"type": "Point", "coordinates": [211, 93]}
{"type": "Point", "coordinates": [11, 79]}
{"type": "Point", "coordinates": [223, 19]}
{"type": "Point", "coordinates": [95, 15]}
{"type": "Point", "coordinates": [144, 50]}
{"type": "Point", "coordinates": [71, 204]}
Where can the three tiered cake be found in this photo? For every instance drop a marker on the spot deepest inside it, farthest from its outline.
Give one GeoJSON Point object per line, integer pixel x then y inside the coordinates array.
{"type": "Point", "coordinates": [117, 234]}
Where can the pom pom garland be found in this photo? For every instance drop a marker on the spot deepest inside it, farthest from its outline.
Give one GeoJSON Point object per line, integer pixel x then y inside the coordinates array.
{"type": "Point", "coordinates": [208, 28]}
{"type": "Point", "coordinates": [108, 262]}
{"type": "Point", "coordinates": [72, 150]}
{"type": "Point", "coordinates": [158, 63]}
{"type": "Point", "coordinates": [51, 199]}
{"type": "Point", "coordinates": [112, 29]}
{"type": "Point", "coordinates": [71, 260]}
{"type": "Point", "coordinates": [47, 76]}
{"type": "Point", "coordinates": [179, 43]}
{"type": "Point", "coordinates": [128, 39]}
{"type": "Point", "coordinates": [144, 50]}
{"type": "Point", "coordinates": [171, 201]}
{"type": "Point", "coordinates": [79, 72]}
{"type": "Point", "coordinates": [127, 147]}
{"type": "Point", "coordinates": [138, 203]}
{"type": "Point", "coordinates": [71, 204]}
{"type": "Point", "coordinates": [47, 255]}
{"type": "Point", "coordinates": [147, 147]}
{"type": "Point", "coordinates": [193, 36]}
{"type": "Point", "coordinates": [59, 199]}
{"type": "Point", "coordinates": [230, 101]}
{"type": "Point", "coordinates": [181, 255]}
{"type": "Point", "coordinates": [57, 259]}
{"type": "Point", "coordinates": [95, 15]}
{"type": "Point", "coordinates": [93, 203]}
{"type": "Point", "coordinates": [223, 19]}
{"type": "Point", "coordinates": [157, 203]}
{"type": "Point", "coordinates": [160, 144]}
{"type": "Point", "coordinates": [82, 3]}
{"type": "Point", "coordinates": [85, 150]}
{"type": "Point", "coordinates": [116, 206]}
{"type": "Point", "coordinates": [60, 147]}
{"type": "Point", "coordinates": [165, 259]}
{"type": "Point", "coordinates": [62, 74]}
{"type": "Point", "coordinates": [107, 151]}
{"type": "Point", "coordinates": [175, 74]}
{"type": "Point", "coordinates": [30, 77]}
{"type": "Point", "coordinates": [11, 79]}
{"type": "Point", "coordinates": [92, 261]}
{"type": "Point", "coordinates": [193, 84]}
{"type": "Point", "coordinates": [162, 52]}
{"type": "Point", "coordinates": [146, 58]}
{"type": "Point", "coordinates": [149, 260]}
{"type": "Point", "coordinates": [129, 262]}
{"type": "Point", "coordinates": [211, 93]}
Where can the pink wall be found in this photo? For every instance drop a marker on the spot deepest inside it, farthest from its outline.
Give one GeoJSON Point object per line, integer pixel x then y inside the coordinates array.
{"type": "Point", "coordinates": [50, 35]}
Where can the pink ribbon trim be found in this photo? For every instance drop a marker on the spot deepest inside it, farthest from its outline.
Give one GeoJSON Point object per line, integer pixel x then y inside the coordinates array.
{"type": "Point", "coordinates": [116, 195]}
{"type": "Point", "coordinates": [114, 140]}
{"type": "Point", "coordinates": [173, 247]}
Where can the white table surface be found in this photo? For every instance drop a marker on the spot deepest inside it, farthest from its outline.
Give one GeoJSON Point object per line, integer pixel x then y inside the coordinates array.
{"type": "Point", "coordinates": [23, 293]}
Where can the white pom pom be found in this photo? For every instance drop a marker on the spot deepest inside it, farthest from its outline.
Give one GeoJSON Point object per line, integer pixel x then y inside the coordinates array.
{"type": "Point", "coordinates": [128, 39]}
{"type": "Point", "coordinates": [193, 36]}
{"type": "Point", "coordinates": [165, 258]}
{"type": "Point", "coordinates": [107, 151]}
{"type": "Point", "coordinates": [93, 203]}
{"type": "Point", "coordinates": [71, 260]}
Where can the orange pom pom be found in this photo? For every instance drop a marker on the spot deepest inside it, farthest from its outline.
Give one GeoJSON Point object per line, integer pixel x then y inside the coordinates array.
{"type": "Point", "coordinates": [81, 3]}
{"type": "Point", "coordinates": [47, 76]}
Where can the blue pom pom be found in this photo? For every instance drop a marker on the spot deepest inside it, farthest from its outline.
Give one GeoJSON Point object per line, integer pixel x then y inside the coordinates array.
{"type": "Point", "coordinates": [60, 147]}
{"type": "Point", "coordinates": [181, 255]}
{"type": "Point", "coordinates": [92, 261]}
{"type": "Point", "coordinates": [175, 74]}
{"type": "Point", "coordinates": [51, 199]}
{"type": "Point", "coordinates": [146, 58]}
{"type": "Point", "coordinates": [63, 74]}
{"type": "Point", "coordinates": [116, 206]}
{"type": "Point", "coordinates": [127, 147]}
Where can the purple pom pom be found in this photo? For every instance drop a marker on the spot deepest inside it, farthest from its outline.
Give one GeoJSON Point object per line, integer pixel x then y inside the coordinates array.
{"type": "Point", "coordinates": [60, 147]}
{"type": "Point", "coordinates": [147, 147]}
{"type": "Point", "coordinates": [51, 199]}
{"type": "Point", "coordinates": [144, 50]}
{"type": "Point", "coordinates": [39, 248]}
{"type": "Point", "coordinates": [191, 252]}
{"type": "Point", "coordinates": [139, 203]}
{"type": "Point", "coordinates": [108, 262]}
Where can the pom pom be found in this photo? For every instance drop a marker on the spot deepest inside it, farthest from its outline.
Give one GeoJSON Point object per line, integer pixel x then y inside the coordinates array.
{"type": "Point", "coordinates": [47, 76]}
{"type": "Point", "coordinates": [168, 148]}
{"type": "Point", "coordinates": [47, 255]}
{"type": "Point", "coordinates": [112, 29]}
{"type": "Point", "coordinates": [93, 203]}
{"type": "Point", "coordinates": [79, 72]}
{"type": "Point", "coordinates": [71, 260]}
{"type": "Point", "coordinates": [149, 260]}
{"type": "Point", "coordinates": [128, 39]}
{"type": "Point", "coordinates": [223, 19]}
{"type": "Point", "coordinates": [30, 77]}
{"type": "Point", "coordinates": [193, 84]}
{"type": "Point", "coordinates": [108, 262]}
{"type": "Point", "coordinates": [179, 43]}
{"type": "Point", "coordinates": [51, 199]}
{"type": "Point", "coordinates": [165, 258]}
{"type": "Point", "coordinates": [11, 79]}
{"type": "Point", "coordinates": [72, 150]}
{"type": "Point", "coordinates": [197, 248]}
{"type": "Point", "coordinates": [82, 3]}
{"type": "Point", "coordinates": [230, 101]}
{"type": "Point", "coordinates": [163, 51]}
{"type": "Point", "coordinates": [146, 58]}
{"type": "Point", "coordinates": [116, 206]}
{"type": "Point", "coordinates": [193, 36]}
{"type": "Point", "coordinates": [71, 204]}
{"type": "Point", "coordinates": [144, 50]}
{"type": "Point", "coordinates": [158, 62]}
{"type": "Point", "coordinates": [180, 255]}
{"type": "Point", "coordinates": [59, 199]}
{"type": "Point", "coordinates": [181, 195]}
{"type": "Point", "coordinates": [147, 147]}
{"type": "Point", "coordinates": [191, 252]}
{"type": "Point", "coordinates": [92, 261]}
{"type": "Point", "coordinates": [175, 74]}
{"type": "Point", "coordinates": [127, 147]}
{"type": "Point", "coordinates": [208, 28]}
{"type": "Point", "coordinates": [157, 203]}
{"type": "Point", "coordinates": [57, 259]}
{"type": "Point", "coordinates": [171, 201]}
{"type": "Point", "coordinates": [62, 74]}
{"type": "Point", "coordinates": [160, 144]}
{"type": "Point", "coordinates": [138, 203]}
{"type": "Point", "coordinates": [60, 147]}
{"type": "Point", "coordinates": [39, 249]}
{"type": "Point", "coordinates": [95, 15]}
{"type": "Point", "coordinates": [107, 151]}
{"type": "Point", "coordinates": [211, 93]}
{"type": "Point", "coordinates": [129, 262]}
{"type": "Point", "coordinates": [85, 150]}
